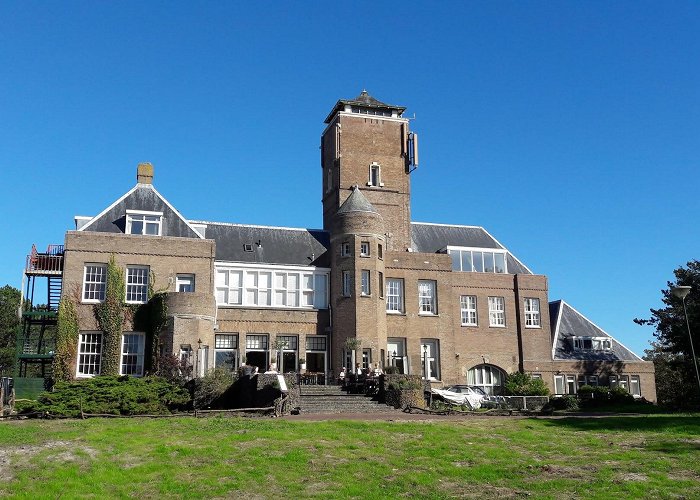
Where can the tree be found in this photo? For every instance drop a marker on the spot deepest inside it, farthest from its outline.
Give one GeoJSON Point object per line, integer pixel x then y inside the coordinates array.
{"type": "Point", "coordinates": [522, 384]}
{"type": "Point", "coordinates": [9, 305]}
{"type": "Point", "coordinates": [676, 382]}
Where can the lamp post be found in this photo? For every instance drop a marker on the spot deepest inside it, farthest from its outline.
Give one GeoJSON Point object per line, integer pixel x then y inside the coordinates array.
{"type": "Point", "coordinates": [682, 292]}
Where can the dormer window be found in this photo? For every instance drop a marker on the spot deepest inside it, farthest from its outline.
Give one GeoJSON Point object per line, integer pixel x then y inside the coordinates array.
{"type": "Point", "coordinates": [476, 260]}
{"type": "Point", "coordinates": [375, 175]}
{"type": "Point", "coordinates": [147, 223]}
{"type": "Point", "coordinates": [592, 343]}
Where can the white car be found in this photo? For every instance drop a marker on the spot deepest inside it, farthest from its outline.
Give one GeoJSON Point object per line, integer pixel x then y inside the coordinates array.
{"type": "Point", "coordinates": [461, 395]}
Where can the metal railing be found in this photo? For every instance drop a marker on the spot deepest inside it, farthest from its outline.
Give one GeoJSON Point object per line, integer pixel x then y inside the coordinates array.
{"type": "Point", "coordinates": [49, 261]}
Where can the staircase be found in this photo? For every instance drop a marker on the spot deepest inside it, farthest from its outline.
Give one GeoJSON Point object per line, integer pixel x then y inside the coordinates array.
{"type": "Point", "coordinates": [327, 399]}
{"type": "Point", "coordinates": [55, 285]}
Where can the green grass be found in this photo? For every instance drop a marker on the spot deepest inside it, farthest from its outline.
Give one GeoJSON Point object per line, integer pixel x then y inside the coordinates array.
{"type": "Point", "coordinates": [655, 456]}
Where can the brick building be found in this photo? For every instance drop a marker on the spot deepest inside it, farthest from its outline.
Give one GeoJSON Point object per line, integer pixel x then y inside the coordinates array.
{"type": "Point", "coordinates": [447, 302]}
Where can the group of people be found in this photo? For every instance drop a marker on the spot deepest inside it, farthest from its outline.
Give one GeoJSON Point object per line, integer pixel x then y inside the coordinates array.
{"type": "Point", "coordinates": [369, 372]}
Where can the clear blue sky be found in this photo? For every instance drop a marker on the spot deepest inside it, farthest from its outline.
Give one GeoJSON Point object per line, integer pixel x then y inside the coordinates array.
{"type": "Point", "coordinates": [570, 130]}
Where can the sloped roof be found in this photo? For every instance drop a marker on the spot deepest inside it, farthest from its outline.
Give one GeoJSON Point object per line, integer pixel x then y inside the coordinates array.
{"type": "Point", "coordinates": [567, 323]}
{"type": "Point", "coordinates": [270, 245]}
{"type": "Point", "coordinates": [432, 238]}
{"type": "Point", "coordinates": [356, 202]}
{"type": "Point", "coordinates": [142, 197]}
{"type": "Point", "coordinates": [365, 100]}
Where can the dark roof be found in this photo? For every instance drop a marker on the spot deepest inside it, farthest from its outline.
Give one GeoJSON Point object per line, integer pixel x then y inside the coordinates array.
{"type": "Point", "coordinates": [143, 197]}
{"type": "Point", "coordinates": [432, 238]}
{"type": "Point", "coordinates": [365, 100]}
{"type": "Point", "coordinates": [270, 245]}
{"type": "Point", "coordinates": [356, 202]}
{"type": "Point", "coordinates": [567, 322]}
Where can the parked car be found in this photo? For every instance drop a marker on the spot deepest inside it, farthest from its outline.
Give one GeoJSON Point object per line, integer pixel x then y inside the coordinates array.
{"type": "Point", "coordinates": [461, 395]}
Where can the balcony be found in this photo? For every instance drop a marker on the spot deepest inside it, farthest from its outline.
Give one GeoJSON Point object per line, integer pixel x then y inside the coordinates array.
{"type": "Point", "coordinates": [47, 263]}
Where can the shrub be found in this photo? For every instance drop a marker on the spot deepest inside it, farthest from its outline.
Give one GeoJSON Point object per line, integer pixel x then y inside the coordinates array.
{"type": "Point", "coordinates": [114, 396]}
{"type": "Point", "coordinates": [568, 402]}
{"type": "Point", "coordinates": [405, 385]}
{"type": "Point", "coordinates": [209, 389]}
{"type": "Point", "coordinates": [522, 384]}
{"type": "Point", "coordinates": [620, 395]}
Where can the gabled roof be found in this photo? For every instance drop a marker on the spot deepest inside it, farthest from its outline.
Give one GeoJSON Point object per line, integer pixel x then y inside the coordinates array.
{"type": "Point", "coordinates": [364, 100]}
{"type": "Point", "coordinates": [356, 202]}
{"type": "Point", "coordinates": [269, 244]}
{"type": "Point", "coordinates": [142, 197]}
{"type": "Point", "coordinates": [567, 323]}
{"type": "Point", "coordinates": [432, 238]}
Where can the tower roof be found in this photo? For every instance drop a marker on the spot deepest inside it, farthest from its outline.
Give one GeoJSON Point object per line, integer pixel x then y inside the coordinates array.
{"type": "Point", "coordinates": [356, 202]}
{"type": "Point", "coordinates": [363, 100]}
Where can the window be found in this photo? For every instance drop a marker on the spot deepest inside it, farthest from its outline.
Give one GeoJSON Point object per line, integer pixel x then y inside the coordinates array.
{"type": "Point", "coordinates": [592, 343]}
{"type": "Point", "coordinates": [149, 223]}
{"type": "Point", "coordinates": [344, 249]}
{"type": "Point", "coordinates": [426, 297]}
{"type": "Point", "coordinates": [94, 282]}
{"type": "Point", "coordinates": [532, 313]}
{"type": "Point", "coordinates": [316, 354]}
{"type": "Point", "coordinates": [430, 358]}
{"type": "Point", "coordinates": [394, 295]}
{"type": "Point", "coordinates": [613, 381]}
{"type": "Point", "coordinates": [365, 282]}
{"type": "Point", "coordinates": [380, 251]}
{"type": "Point", "coordinates": [256, 351]}
{"type": "Point", "coordinates": [329, 179]}
{"type": "Point", "coordinates": [287, 355]}
{"type": "Point", "coordinates": [226, 351]}
{"type": "Point", "coordinates": [375, 175]}
{"type": "Point", "coordinates": [347, 284]}
{"type": "Point", "coordinates": [381, 284]}
{"type": "Point", "coordinates": [185, 283]}
{"type": "Point", "coordinates": [364, 249]}
{"type": "Point", "coordinates": [132, 354]}
{"type": "Point", "coordinates": [488, 378]}
{"type": "Point", "coordinates": [571, 384]}
{"type": "Point", "coordinates": [136, 284]}
{"type": "Point", "coordinates": [478, 261]}
{"type": "Point", "coordinates": [89, 354]}
{"type": "Point", "coordinates": [497, 311]}
{"type": "Point", "coordinates": [396, 354]}
{"type": "Point", "coordinates": [272, 288]}
{"type": "Point", "coordinates": [468, 306]}
{"type": "Point", "coordinates": [635, 387]}
{"type": "Point", "coordinates": [559, 384]}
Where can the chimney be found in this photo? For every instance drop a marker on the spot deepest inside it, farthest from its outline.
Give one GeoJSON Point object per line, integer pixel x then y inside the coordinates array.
{"type": "Point", "coordinates": [144, 173]}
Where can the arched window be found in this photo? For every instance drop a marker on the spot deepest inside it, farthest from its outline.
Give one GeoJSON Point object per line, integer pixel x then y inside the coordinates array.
{"type": "Point", "coordinates": [488, 378]}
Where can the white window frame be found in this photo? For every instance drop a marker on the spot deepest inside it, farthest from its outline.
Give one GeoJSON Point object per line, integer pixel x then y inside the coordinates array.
{"type": "Point", "coordinates": [427, 297]}
{"type": "Point", "coordinates": [635, 387]}
{"type": "Point", "coordinates": [129, 358]}
{"type": "Point", "coordinates": [364, 249]}
{"type": "Point", "coordinates": [394, 296]}
{"type": "Point", "coordinates": [272, 287]}
{"type": "Point", "coordinates": [430, 358]}
{"type": "Point", "coordinates": [487, 377]}
{"type": "Point", "coordinates": [94, 283]}
{"type": "Point", "coordinates": [456, 255]}
{"type": "Point", "coordinates": [469, 315]}
{"type": "Point", "coordinates": [137, 290]}
{"type": "Point", "coordinates": [497, 312]}
{"type": "Point", "coordinates": [89, 354]}
{"type": "Point", "coordinates": [559, 383]}
{"type": "Point", "coordinates": [345, 249]}
{"type": "Point", "coordinates": [374, 181]}
{"type": "Point", "coordinates": [366, 288]}
{"type": "Point", "coordinates": [596, 343]}
{"type": "Point", "coordinates": [532, 313]}
{"type": "Point", "coordinates": [347, 283]}
{"type": "Point", "coordinates": [148, 219]}
{"type": "Point", "coordinates": [185, 281]}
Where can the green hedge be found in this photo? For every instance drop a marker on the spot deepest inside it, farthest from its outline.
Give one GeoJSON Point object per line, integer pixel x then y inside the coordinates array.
{"type": "Point", "coordinates": [113, 396]}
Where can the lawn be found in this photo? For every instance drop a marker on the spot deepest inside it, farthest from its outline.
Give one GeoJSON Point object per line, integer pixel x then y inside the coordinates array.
{"type": "Point", "coordinates": [656, 456]}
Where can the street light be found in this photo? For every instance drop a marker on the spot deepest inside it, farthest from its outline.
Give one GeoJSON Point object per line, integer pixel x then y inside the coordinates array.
{"type": "Point", "coordinates": [682, 292]}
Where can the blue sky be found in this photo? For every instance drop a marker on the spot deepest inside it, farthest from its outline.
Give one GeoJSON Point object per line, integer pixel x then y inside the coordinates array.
{"type": "Point", "coordinates": [568, 130]}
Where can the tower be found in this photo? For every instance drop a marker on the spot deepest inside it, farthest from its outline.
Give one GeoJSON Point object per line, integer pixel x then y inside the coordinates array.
{"type": "Point", "coordinates": [367, 143]}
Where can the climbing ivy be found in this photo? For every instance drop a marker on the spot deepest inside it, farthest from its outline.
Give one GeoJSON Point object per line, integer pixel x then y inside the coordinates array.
{"type": "Point", "coordinates": [151, 318]}
{"type": "Point", "coordinates": [111, 315]}
{"type": "Point", "coordinates": [66, 340]}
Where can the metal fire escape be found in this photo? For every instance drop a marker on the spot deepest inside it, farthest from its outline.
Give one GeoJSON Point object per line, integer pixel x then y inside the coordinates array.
{"type": "Point", "coordinates": [43, 279]}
